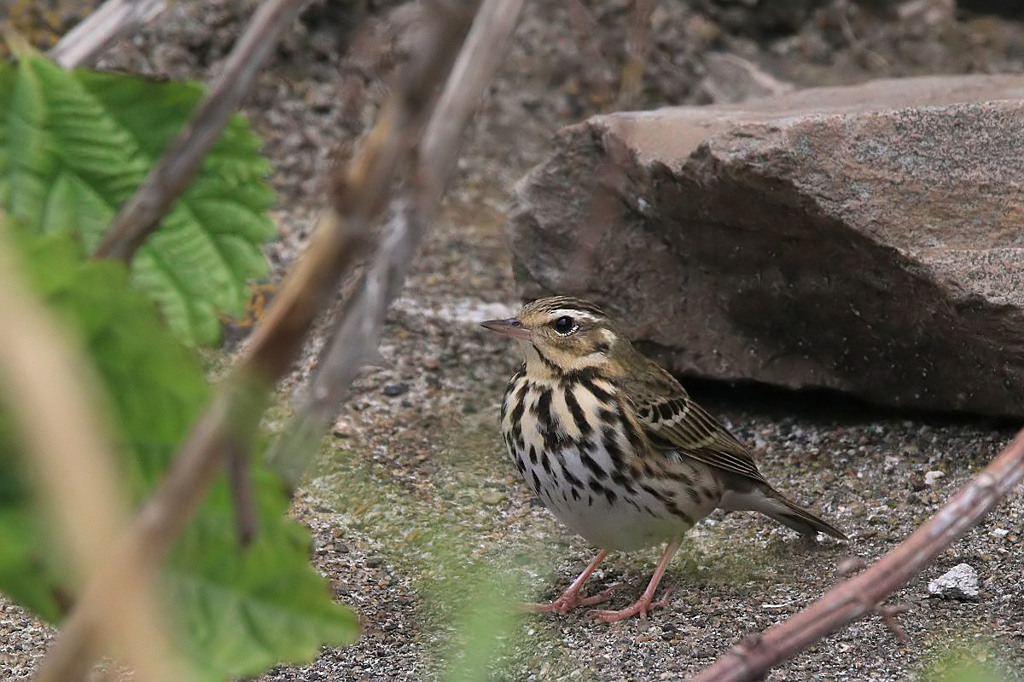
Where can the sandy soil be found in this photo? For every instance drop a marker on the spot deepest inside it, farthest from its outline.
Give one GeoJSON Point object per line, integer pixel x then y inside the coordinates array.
{"type": "Point", "coordinates": [412, 494]}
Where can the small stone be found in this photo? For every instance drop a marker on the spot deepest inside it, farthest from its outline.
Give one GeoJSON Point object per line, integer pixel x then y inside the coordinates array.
{"type": "Point", "coordinates": [960, 583]}
{"type": "Point", "coordinates": [1000, 532]}
{"type": "Point", "coordinates": [492, 497]}
{"type": "Point", "coordinates": [395, 390]}
{"type": "Point", "coordinates": [374, 561]}
{"type": "Point", "coordinates": [932, 476]}
{"type": "Point", "coordinates": [857, 509]}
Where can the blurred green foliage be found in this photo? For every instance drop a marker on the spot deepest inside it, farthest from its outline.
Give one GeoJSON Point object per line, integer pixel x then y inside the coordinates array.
{"type": "Point", "coordinates": [73, 146]}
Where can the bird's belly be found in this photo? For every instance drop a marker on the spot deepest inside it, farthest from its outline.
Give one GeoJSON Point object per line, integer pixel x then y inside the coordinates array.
{"type": "Point", "coordinates": [615, 527]}
{"type": "Point", "coordinates": [603, 502]}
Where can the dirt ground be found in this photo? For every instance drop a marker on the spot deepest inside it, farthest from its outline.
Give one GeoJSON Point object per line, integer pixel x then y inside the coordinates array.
{"type": "Point", "coordinates": [413, 495]}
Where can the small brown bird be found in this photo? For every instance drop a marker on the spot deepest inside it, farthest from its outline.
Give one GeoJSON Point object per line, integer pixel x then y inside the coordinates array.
{"type": "Point", "coordinates": [616, 449]}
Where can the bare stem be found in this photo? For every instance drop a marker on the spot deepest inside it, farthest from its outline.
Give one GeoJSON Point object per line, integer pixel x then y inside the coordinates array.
{"type": "Point", "coordinates": [114, 20]}
{"type": "Point", "coordinates": [169, 178]}
{"type": "Point", "coordinates": [861, 595]}
{"type": "Point", "coordinates": [240, 482]}
{"type": "Point", "coordinates": [342, 236]}
{"type": "Point", "coordinates": [58, 410]}
{"type": "Point", "coordinates": [355, 337]}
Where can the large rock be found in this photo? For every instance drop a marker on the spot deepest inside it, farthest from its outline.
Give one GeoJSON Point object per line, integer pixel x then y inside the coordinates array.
{"type": "Point", "coordinates": [868, 239]}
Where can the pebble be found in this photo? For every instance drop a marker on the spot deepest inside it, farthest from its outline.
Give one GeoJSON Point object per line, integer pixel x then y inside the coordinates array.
{"type": "Point", "coordinates": [492, 497]}
{"type": "Point", "coordinates": [932, 476]}
{"type": "Point", "coordinates": [960, 583]}
{"type": "Point", "coordinates": [395, 390]}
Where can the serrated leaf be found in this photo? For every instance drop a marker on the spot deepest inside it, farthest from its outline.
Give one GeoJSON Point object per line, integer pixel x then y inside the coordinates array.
{"type": "Point", "coordinates": [156, 385]}
{"type": "Point", "coordinates": [247, 610]}
{"type": "Point", "coordinates": [236, 611]}
{"type": "Point", "coordinates": [74, 146]}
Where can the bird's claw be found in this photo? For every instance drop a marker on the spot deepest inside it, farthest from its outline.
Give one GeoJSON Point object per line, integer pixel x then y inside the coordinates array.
{"type": "Point", "coordinates": [569, 601]}
{"type": "Point", "coordinates": [641, 608]}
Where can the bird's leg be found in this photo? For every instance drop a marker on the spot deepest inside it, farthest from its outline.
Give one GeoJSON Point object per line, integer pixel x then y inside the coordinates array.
{"type": "Point", "coordinates": [570, 599]}
{"type": "Point", "coordinates": [646, 601]}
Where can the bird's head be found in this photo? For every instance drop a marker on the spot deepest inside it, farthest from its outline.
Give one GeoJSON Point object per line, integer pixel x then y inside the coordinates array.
{"type": "Point", "coordinates": [559, 335]}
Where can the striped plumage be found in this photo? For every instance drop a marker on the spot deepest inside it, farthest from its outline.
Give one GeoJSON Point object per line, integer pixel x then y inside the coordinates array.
{"type": "Point", "coordinates": [615, 448]}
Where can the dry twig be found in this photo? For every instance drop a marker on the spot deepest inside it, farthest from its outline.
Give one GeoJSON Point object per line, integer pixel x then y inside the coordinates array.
{"type": "Point", "coordinates": [355, 337]}
{"type": "Point", "coordinates": [169, 178]}
{"type": "Point", "coordinates": [638, 44]}
{"type": "Point", "coordinates": [861, 595]}
{"type": "Point", "coordinates": [596, 76]}
{"type": "Point", "coordinates": [59, 414]}
{"type": "Point", "coordinates": [111, 22]}
{"type": "Point", "coordinates": [340, 239]}
{"type": "Point", "coordinates": [240, 482]}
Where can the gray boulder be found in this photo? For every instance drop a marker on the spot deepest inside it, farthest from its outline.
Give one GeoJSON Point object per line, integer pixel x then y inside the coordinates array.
{"type": "Point", "coordinates": [867, 239]}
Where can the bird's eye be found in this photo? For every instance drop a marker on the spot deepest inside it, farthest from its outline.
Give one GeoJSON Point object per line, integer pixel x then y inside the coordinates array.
{"type": "Point", "coordinates": [565, 325]}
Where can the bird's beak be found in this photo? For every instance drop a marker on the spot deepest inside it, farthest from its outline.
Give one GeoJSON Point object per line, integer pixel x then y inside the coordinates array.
{"type": "Point", "coordinates": [510, 327]}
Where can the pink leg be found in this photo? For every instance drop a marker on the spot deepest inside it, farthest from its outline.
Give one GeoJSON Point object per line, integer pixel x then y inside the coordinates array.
{"type": "Point", "coordinates": [570, 599]}
{"type": "Point", "coordinates": [646, 601]}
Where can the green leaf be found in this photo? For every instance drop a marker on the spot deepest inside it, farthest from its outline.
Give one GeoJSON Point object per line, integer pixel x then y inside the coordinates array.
{"type": "Point", "coordinates": [74, 146]}
{"type": "Point", "coordinates": [21, 565]}
{"type": "Point", "coordinates": [155, 386]}
{"type": "Point", "coordinates": [236, 611]}
{"type": "Point", "coordinates": [248, 610]}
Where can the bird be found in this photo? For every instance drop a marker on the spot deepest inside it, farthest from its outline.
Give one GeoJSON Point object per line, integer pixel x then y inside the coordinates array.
{"type": "Point", "coordinates": [617, 450]}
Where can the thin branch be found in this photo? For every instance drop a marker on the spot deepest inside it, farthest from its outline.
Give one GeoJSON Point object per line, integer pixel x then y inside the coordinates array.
{"type": "Point", "coordinates": [472, 73]}
{"type": "Point", "coordinates": [58, 410]}
{"type": "Point", "coordinates": [638, 44]}
{"type": "Point", "coordinates": [359, 326]}
{"type": "Point", "coordinates": [861, 595]}
{"type": "Point", "coordinates": [134, 560]}
{"type": "Point", "coordinates": [240, 483]}
{"type": "Point", "coordinates": [586, 32]}
{"type": "Point", "coordinates": [341, 238]}
{"type": "Point", "coordinates": [101, 29]}
{"type": "Point", "coordinates": [169, 178]}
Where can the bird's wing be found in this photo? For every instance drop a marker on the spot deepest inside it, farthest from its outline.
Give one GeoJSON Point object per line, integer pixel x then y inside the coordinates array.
{"type": "Point", "coordinates": [673, 421]}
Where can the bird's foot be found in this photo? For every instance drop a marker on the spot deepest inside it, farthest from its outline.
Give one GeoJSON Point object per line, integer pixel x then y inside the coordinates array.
{"type": "Point", "coordinates": [570, 600]}
{"type": "Point", "coordinates": [641, 607]}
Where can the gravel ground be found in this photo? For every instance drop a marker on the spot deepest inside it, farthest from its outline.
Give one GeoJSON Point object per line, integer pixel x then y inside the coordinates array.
{"type": "Point", "coordinates": [413, 499]}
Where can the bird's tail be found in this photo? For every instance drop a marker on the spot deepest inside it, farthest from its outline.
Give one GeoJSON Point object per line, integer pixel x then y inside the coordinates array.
{"type": "Point", "coordinates": [772, 503]}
